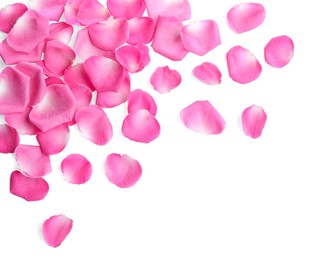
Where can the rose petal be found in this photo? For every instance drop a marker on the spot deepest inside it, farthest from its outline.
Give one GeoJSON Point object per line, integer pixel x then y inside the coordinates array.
{"type": "Point", "coordinates": [76, 169]}
{"type": "Point", "coordinates": [253, 121]}
{"type": "Point", "coordinates": [164, 79]}
{"type": "Point", "coordinates": [91, 11]}
{"type": "Point", "coordinates": [61, 32]}
{"type": "Point", "coordinates": [144, 56]}
{"type": "Point", "coordinates": [52, 9]}
{"type": "Point", "coordinates": [208, 73]}
{"type": "Point", "coordinates": [141, 30]}
{"type": "Point", "coordinates": [126, 8]}
{"type": "Point", "coordinates": [46, 71]}
{"type": "Point", "coordinates": [53, 80]}
{"type": "Point", "coordinates": [75, 75]}
{"type": "Point", "coordinates": [129, 57]}
{"type": "Point", "coordinates": [139, 99]}
{"type": "Point", "coordinates": [71, 11]}
{"type": "Point", "coordinates": [10, 14]}
{"type": "Point", "coordinates": [9, 139]}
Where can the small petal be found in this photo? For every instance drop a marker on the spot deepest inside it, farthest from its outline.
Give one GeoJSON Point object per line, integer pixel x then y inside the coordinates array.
{"type": "Point", "coordinates": [253, 121]}
{"type": "Point", "coordinates": [52, 9]}
{"type": "Point", "coordinates": [9, 16]}
{"type": "Point", "coordinates": [76, 169]}
{"type": "Point", "coordinates": [141, 30]}
{"type": "Point", "coordinates": [61, 32]}
{"type": "Point", "coordinates": [75, 75]}
{"type": "Point", "coordinates": [145, 57]}
{"type": "Point", "coordinates": [208, 73]}
{"type": "Point", "coordinates": [9, 139]}
{"type": "Point", "coordinates": [91, 11]}
{"type": "Point", "coordinates": [139, 99]}
{"type": "Point", "coordinates": [165, 79]}
{"type": "Point", "coordinates": [126, 8]}
{"type": "Point", "coordinates": [71, 11]}
{"type": "Point", "coordinates": [129, 57]}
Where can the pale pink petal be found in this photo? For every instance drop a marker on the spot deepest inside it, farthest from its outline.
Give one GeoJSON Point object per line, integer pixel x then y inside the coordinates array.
{"type": "Point", "coordinates": [245, 17]}
{"type": "Point", "coordinates": [141, 30]}
{"type": "Point", "coordinates": [164, 79]}
{"type": "Point", "coordinates": [167, 38]}
{"type": "Point", "coordinates": [208, 73]}
{"type": "Point", "coordinates": [29, 189]}
{"type": "Point", "coordinates": [10, 14]}
{"type": "Point", "coordinates": [57, 107]}
{"type": "Point", "coordinates": [145, 57]}
{"type": "Point", "coordinates": [94, 124]}
{"type": "Point", "coordinates": [253, 120]}
{"type": "Point", "coordinates": [52, 9]}
{"type": "Point", "coordinates": [279, 51]}
{"type": "Point", "coordinates": [14, 91]}
{"type": "Point", "coordinates": [76, 75]}
{"type": "Point", "coordinates": [76, 169]}
{"type": "Point", "coordinates": [141, 126]}
{"type": "Point", "coordinates": [55, 229]}
{"type": "Point", "coordinates": [122, 170]}
{"type": "Point", "coordinates": [91, 11]}
{"type": "Point", "coordinates": [126, 8]}
{"type": "Point", "coordinates": [32, 161]}
{"type": "Point", "coordinates": [61, 32]}
{"type": "Point", "coordinates": [243, 66]}
{"type": "Point", "coordinates": [27, 33]}
{"type": "Point", "coordinates": [129, 57]}
{"type": "Point", "coordinates": [202, 118]}
{"type": "Point", "coordinates": [139, 99]}
{"type": "Point", "coordinates": [53, 80]}
{"type": "Point", "coordinates": [200, 37]}
{"type": "Point", "coordinates": [71, 10]}
{"type": "Point", "coordinates": [9, 139]}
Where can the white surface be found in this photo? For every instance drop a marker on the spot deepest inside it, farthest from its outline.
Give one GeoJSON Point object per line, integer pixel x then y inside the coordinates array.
{"type": "Point", "coordinates": [203, 197]}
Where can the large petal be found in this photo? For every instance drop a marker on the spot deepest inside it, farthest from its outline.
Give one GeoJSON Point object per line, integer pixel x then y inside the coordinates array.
{"type": "Point", "coordinates": [129, 57]}
{"type": "Point", "coordinates": [253, 120]}
{"type": "Point", "coordinates": [76, 169]}
{"type": "Point", "coordinates": [139, 99]}
{"type": "Point", "coordinates": [208, 73]}
{"type": "Point", "coordinates": [164, 79]}
{"type": "Point", "coordinates": [141, 30]}
{"type": "Point", "coordinates": [10, 14]}
{"type": "Point", "coordinates": [52, 9]}
{"type": "Point", "coordinates": [126, 8]}
{"type": "Point", "coordinates": [92, 11]}
{"type": "Point", "coordinates": [9, 139]}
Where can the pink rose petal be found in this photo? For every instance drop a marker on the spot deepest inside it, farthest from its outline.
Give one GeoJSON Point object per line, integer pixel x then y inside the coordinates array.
{"type": "Point", "coordinates": [253, 121]}
{"type": "Point", "coordinates": [141, 30]}
{"type": "Point", "coordinates": [164, 79]}
{"type": "Point", "coordinates": [243, 66]}
{"type": "Point", "coordinates": [10, 14]}
{"type": "Point", "coordinates": [208, 73]}
{"type": "Point", "coordinates": [61, 32]}
{"type": "Point", "coordinates": [139, 99]}
{"type": "Point", "coordinates": [71, 10]}
{"type": "Point", "coordinates": [55, 229]}
{"type": "Point", "coordinates": [126, 8]}
{"type": "Point", "coordinates": [46, 71]}
{"type": "Point", "coordinates": [203, 118]}
{"type": "Point", "coordinates": [144, 56]}
{"type": "Point", "coordinates": [91, 11]}
{"type": "Point", "coordinates": [29, 189]}
{"type": "Point", "coordinates": [76, 169]}
{"type": "Point", "coordinates": [76, 75]}
{"type": "Point", "coordinates": [52, 9]}
{"type": "Point", "coordinates": [129, 57]}
{"type": "Point", "coordinates": [53, 80]}
{"type": "Point", "coordinates": [9, 139]}
{"type": "Point", "coordinates": [122, 170]}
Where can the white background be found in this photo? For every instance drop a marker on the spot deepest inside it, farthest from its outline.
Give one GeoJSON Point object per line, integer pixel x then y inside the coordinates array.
{"type": "Point", "coordinates": [203, 197]}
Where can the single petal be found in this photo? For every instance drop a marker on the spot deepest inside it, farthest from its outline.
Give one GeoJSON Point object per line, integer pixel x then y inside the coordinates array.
{"type": "Point", "coordinates": [140, 126]}
{"type": "Point", "coordinates": [30, 189]}
{"type": "Point", "coordinates": [208, 73]}
{"type": "Point", "coordinates": [144, 56]}
{"type": "Point", "coordinates": [61, 32]}
{"type": "Point", "coordinates": [53, 80]}
{"type": "Point", "coordinates": [94, 124]}
{"type": "Point", "coordinates": [253, 120]}
{"type": "Point", "coordinates": [279, 51]}
{"type": "Point", "coordinates": [202, 118]}
{"type": "Point", "coordinates": [10, 14]}
{"type": "Point", "coordinates": [126, 8]}
{"type": "Point", "coordinates": [55, 229]}
{"type": "Point", "coordinates": [139, 99]}
{"type": "Point", "coordinates": [164, 79]}
{"type": "Point", "coordinates": [71, 11]}
{"type": "Point", "coordinates": [52, 9]}
{"type": "Point", "coordinates": [243, 66]}
{"type": "Point", "coordinates": [76, 169]}
{"type": "Point", "coordinates": [129, 57]}
{"type": "Point", "coordinates": [91, 11]}
{"type": "Point", "coordinates": [245, 17]}
{"type": "Point", "coordinates": [32, 161]}
{"type": "Point", "coordinates": [9, 139]}
{"type": "Point", "coordinates": [122, 170]}
{"type": "Point", "coordinates": [141, 30]}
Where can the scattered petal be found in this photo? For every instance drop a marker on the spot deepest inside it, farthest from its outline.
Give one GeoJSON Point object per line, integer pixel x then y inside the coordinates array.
{"type": "Point", "coordinates": [61, 32]}
{"type": "Point", "coordinates": [91, 11]}
{"type": "Point", "coordinates": [141, 30]}
{"type": "Point", "coordinates": [208, 73]}
{"type": "Point", "coordinates": [129, 57]}
{"type": "Point", "coordinates": [76, 75]}
{"type": "Point", "coordinates": [46, 71]}
{"type": "Point", "coordinates": [10, 14]}
{"type": "Point", "coordinates": [145, 57]}
{"type": "Point", "coordinates": [52, 9]}
{"type": "Point", "coordinates": [71, 10]}
{"type": "Point", "coordinates": [253, 121]}
{"type": "Point", "coordinates": [139, 99]}
{"type": "Point", "coordinates": [53, 80]}
{"type": "Point", "coordinates": [165, 79]}
{"type": "Point", "coordinates": [126, 8]}
{"type": "Point", "coordinates": [76, 169]}
{"type": "Point", "coordinates": [9, 139]}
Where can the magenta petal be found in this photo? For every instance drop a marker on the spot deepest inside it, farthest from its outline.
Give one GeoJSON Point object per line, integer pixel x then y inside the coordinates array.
{"type": "Point", "coordinates": [122, 170]}
{"type": "Point", "coordinates": [165, 79]}
{"type": "Point", "coordinates": [208, 73]}
{"type": "Point", "coordinates": [30, 189]}
{"type": "Point", "coordinates": [141, 30]}
{"type": "Point", "coordinates": [9, 139]}
{"type": "Point", "coordinates": [129, 57]}
{"type": "Point", "coordinates": [91, 11]}
{"type": "Point", "coordinates": [126, 8]}
{"type": "Point", "coordinates": [203, 118]}
{"type": "Point", "coordinates": [71, 10]}
{"type": "Point", "coordinates": [55, 229]}
{"type": "Point", "coordinates": [139, 99]}
{"type": "Point", "coordinates": [76, 169]}
{"type": "Point", "coordinates": [253, 121]}
{"type": "Point", "coordinates": [52, 9]}
{"type": "Point", "coordinates": [10, 14]}
{"type": "Point", "coordinates": [61, 32]}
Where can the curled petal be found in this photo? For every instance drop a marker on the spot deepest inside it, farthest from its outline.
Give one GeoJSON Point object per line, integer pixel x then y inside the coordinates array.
{"type": "Point", "coordinates": [61, 32]}
{"type": "Point", "coordinates": [76, 169]}
{"type": "Point", "coordinates": [139, 99]}
{"type": "Point", "coordinates": [92, 11]}
{"type": "Point", "coordinates": [208, 73]}
{"type": "Point", "coordinates": [126, 8]}
{"type": "Point", "coordinates": [10, 14]}
{"type": "Point", "coordinates": [129, 57]}
{"type": "Point", "coordinates": [52, 9]}
{"type": "Point", "coordinates": [75, 75]}
{"type": "Point", "coordinates": [253, 120]}
{"type": "Point", "coordinates": [141, 30]}
{"type": "Point", "coordinates": [165, 79]}
{"type": "Point", "coordinates": [9, 139]}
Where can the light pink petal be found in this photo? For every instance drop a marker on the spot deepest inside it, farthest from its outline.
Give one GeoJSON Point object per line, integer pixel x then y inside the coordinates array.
{"type": "Point", "coordinates": [32, 161]}
{"type": "Point", "coordinates": [208, 73]}
{"type": "Point", "coordinates": [145, 57]}
{"type": "Point", "coordinates": [243, 66]}
{"type": "Point", "coordinates": [61, 32]}
{"type": "Point", "coordinates": [279, 51]}
{"type": "Point", "coordinates": [139, 99]}
{"type": "Point", "coordinates": [164, 79]}
{"type": "Point", "coordinates": [126, 8]}
{"type": "Point", "coordinates": [53, 80]}
{"type": "Point", "coordinates": [52, 9]}
{"type": "Point", "coordinates": [122, 170]}
{"type": "Point", "coordinates": [245, 17]}
{"type": "Point", "coordinates": [10, 14]}
{"type": "Point", "coordinates": [14, 91]}
{"type": "Point", "coordinates": [202, 118]}
{"type": "Point", "coordinates": [9, 139]}
{"type": "Point", "coordinates": [30, 189]}
{"type": "Point", "coordinates": [76, 75]}
{"type": "Point", "coordinates": [167, 38]}
{"type": "Point", "coordinates": [27, 33]}
{"type": "Point", "coordinates": [91, 11]}
{"type": "Point", "coordinates": [94, 124]}
{"type": "Point", "coordinates": [141, 30]}
{"type": "Point", "coordinates": [177, 8]}
{"type": "Point", "coordinates": [71, 10]}
{"type": "Point", "coordinates": [200, 37]}
{"type": "Point", "coordinates": [129, 57]}
{"type": "Point", "coordinates": [141, 126]}
{"type": "Point", "coordinates": [57, 107]}
{"type": "Point", "coordinates": [109, 35]}
{"type": "Point", "coordinates": [55, 229]}
{"type": "Point", "coordinates": [253, 121]}
{"type": "Point", "coordinates": [76, 169]}
{"type": "Point", "coordinates": [104, 73]}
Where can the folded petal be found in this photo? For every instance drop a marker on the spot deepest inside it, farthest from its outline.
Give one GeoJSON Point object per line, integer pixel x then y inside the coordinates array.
{"type": "Point", "coordinates": [139, 99]}
{"type": "Point", "coordinates": [164, 79]}
{"type": "Point", "coordinates": [129, 57]}
{"type": "Point", "coordinates": [76, 169]}
{"type": "Point", "coordinates": [52, 9]}
{"type": "Point", "coordinates": [10, 14]}
{"type": "Point", "coordinates": [126, 8]}
{"type": "Point", "coordinates": [208, 73]}
{"type": "Point", "coordinates": [253, 120]}
{"type": "Point", "coordinates": [141, 30]}
{"type": "Point", "coordinates": [92, 11]}
{"type": "Point", "coordinates": [61, 32]}
{"type": "Point", "coordinates": [203, 118]}
{"type": "Point", "coordinates": [9, 139]}
{"type": "Point", "coordinates": [75, 75]}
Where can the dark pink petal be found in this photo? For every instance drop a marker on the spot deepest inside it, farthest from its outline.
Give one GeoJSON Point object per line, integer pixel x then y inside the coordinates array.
{"type": "Point", "coordinates": [245, 17]}
{"type": "Point", "coordinates": [200, 37]}
{"type": "Point", "coordinates": [14, 91]}
{"type": "Point", "coordinates": [55, 229]}
{"type": "Point", "coordinates": [76, 75]}
{"type": "Point", "coordinates": [52, 9]}
{"type": "Point", "coordinates": [141, 30]}
{"type": "Point", "coordinates": [279, 51]}
{"type": "Point", "coordinates": [253, 121]}
{"type": "Point", "coordinates": [53, 80]}
{"type": "Point", "coordinates": [129, 57]}
{"type": "Point", "coordinates": [145, 57]}
{"type": "Point", "coordinates": [91, 11]}
{"type": "Point", "coordinates": [126, 8]}
{"type": "Point", "coordinates": [203, 118]}
{"type": "Point", "coordinates": [30, 189]}
{"type": "Point", "coordinates": [27, 33]}
{"type": "Point", "coordinates": [243, 66]}
{"type": "Point", "coordinates": [104, 73]}
{"type": "Point", "coordinates": [76, 169]}
{"type": "Point", "coordinates": [71, 10]}
{"type": "Point", "coordinates": [208, 73]}
{"type": "Point", "coordinates": [9, 139]}
{"type": "Point", "coordinates": [139, 99]}
{"type": "Point", "coordinates": [10, 14]}
{"type": "Point", "coordinates": [94, 124]}
{"type": "Point", "coordinates": [122, 170]}
{"type": "Point", "coordinates": [141, 126]}
{"type": "Point", "coordinates": [61, 32]}
{"type": "Point", "coordinates": [32, 161]}
{"type": "Point", "coordinates": [167, 38]}
{"type": "Point", "coordinates": [164, 79]}
{"type": "Point", "coordinates": [57, 107]}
